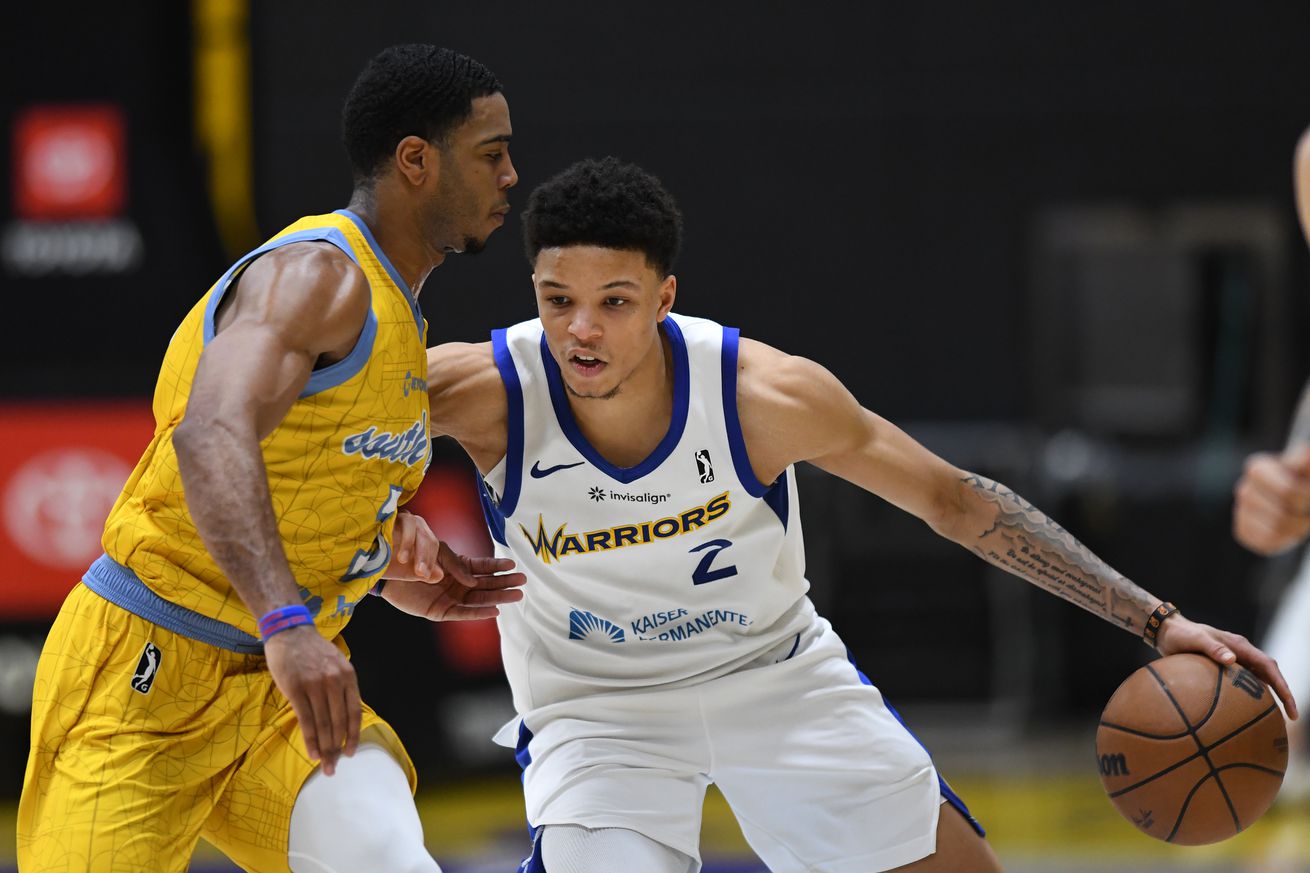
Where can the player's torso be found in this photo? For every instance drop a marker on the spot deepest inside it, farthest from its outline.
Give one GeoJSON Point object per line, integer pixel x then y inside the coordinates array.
{"type": "Point", "coordinates": [352, 447]}
{"type": "Point", "coordinates": [677, 569]}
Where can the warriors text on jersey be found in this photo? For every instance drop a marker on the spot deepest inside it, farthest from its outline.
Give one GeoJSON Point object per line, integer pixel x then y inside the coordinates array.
{"type": "Point", "coordinates": [352, 447]}
{"type": "Point", "coordinates": [680, 569]}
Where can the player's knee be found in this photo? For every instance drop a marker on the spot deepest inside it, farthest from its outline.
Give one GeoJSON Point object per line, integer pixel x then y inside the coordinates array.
{"type": "Point", "coordinates": [377, 848]}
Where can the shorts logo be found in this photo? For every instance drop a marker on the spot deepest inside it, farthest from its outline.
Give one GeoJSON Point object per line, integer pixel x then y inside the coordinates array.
{"type": "Point", "coordinates": [146, 668]}
{"type": "Point", "coordinates": [704, 467]}
{"type": "Point", "coordinates": [584, 625]}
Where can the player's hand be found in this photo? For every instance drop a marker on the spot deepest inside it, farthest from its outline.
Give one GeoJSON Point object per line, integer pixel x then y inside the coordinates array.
{"type": "Point", "coordinates": [1272, 511]}
{"type": "Point", "coordinates": [1178, 634]}
{"type": "Point", "coordinates": [324, 692]}
{"type": "Point", "coordinates": [428, 579]}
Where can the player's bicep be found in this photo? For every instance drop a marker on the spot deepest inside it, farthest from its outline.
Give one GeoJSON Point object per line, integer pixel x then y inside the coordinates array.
{"type": "Point", "coordinates": [248, 375]}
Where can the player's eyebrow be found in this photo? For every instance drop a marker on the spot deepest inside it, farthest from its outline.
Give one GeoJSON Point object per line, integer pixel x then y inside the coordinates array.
{"type": "Point", "coordinates": [551, 283]}
{"type": "Point", "coordinates": [619, 283]}
{"type": "Point", "coordinates": [501, 137]}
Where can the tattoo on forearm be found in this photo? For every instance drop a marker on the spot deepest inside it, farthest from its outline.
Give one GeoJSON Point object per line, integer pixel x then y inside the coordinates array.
{"type": "Point", "coordinates": [1025, 541]}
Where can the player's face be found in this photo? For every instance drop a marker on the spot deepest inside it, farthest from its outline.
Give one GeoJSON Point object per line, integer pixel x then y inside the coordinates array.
{"type": "Point", "coordinates": [601, 309]}
{"type": "Point", "coordinates": [472, 190]}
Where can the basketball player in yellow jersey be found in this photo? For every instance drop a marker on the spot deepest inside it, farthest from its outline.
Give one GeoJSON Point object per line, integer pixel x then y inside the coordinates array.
{"type": "Point", "coordinates": [195, 682]}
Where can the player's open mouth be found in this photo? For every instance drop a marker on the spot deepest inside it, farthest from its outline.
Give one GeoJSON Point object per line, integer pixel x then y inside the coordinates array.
{"type": "Point", "coordinates": [587, 365]}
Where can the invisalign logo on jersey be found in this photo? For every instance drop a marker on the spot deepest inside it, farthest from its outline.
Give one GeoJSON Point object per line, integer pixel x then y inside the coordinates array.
{"type": "Point", "coordinates": [561, 544]}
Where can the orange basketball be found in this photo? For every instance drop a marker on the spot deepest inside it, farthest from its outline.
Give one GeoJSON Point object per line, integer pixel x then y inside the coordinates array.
{"type": "Point", "coordinates": [1192, 752]}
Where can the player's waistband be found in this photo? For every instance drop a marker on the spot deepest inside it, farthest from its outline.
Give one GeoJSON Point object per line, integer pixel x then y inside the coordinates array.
{"type": "Point", "coordinates": [121, 587]}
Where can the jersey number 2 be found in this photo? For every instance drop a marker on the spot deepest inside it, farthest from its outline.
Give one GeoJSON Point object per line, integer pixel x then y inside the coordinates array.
{"type": "Point", "coordinates": [704, 572]}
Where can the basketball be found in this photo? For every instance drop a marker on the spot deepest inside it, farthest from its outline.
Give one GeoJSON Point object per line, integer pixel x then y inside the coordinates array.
{"type": "Point", "coordinates": [1190, 751]}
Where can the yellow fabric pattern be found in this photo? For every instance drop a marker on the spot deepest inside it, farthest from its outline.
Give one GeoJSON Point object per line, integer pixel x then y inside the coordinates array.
{"type": "Point", "coordinates": [351, 449]}
{"type": "Point", "coordinates": [121, 779]}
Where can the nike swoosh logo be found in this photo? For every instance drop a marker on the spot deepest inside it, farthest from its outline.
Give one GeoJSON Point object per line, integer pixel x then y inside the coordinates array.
{"type": "Point", "coordinates": [538, 473]}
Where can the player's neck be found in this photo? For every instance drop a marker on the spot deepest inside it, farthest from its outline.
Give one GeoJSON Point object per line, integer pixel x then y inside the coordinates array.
{"type": "Point", "coordinates": [627, 427]}
{"type": "Point", "coordinates": [398, 234]}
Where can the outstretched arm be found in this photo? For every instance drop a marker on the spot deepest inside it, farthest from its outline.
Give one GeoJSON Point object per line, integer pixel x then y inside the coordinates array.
{"type": "Point", "coordinates": [793, 410]}
{"type": "Point", "coordinates": [292, 307]}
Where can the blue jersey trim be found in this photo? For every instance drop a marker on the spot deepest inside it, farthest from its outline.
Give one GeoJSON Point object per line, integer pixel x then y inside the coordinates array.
{"type": "Point", "coordinates": [121, 587]}
{"type": "Point", "coordinates": [337, 372]}
{"type": "Point", "coordinates": [491, 512]}
{"type": "Point", "coordinates": [777, 499]}
{"type": "Point", "coordinates": [396, 278]}
{"type": "Point", "coordinates": [681, 394]}
{"type": "Point", "coordinates": [741, 462]}
{"type": "Point", "coordinates": [509, 375]}
{"type": "Point", "coordinates": [947, 792]}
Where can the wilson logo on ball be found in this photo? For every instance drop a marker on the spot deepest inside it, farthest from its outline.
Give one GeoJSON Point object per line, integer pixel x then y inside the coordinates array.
{"type": "Point", "coordinates": [1114, 765]}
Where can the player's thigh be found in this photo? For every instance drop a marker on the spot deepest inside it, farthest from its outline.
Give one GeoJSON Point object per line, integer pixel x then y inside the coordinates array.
{"type": "Point", "coordinates": [121, 773]}
{"type": "Point", "coordinates": [960, 849]}
{"type": "Point", "coordinates": [819, 770]}
{"type": "Point", "coordinates": [629, 761]}
{"type": "Point", "coordinates": [251, 823]}
{"type": "Point", "coordinates": [575, 849]}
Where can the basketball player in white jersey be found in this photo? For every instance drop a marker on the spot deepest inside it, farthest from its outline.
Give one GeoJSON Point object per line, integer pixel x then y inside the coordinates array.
{"type": "Point", "coordinates": [1271, 515]}
{"type": "Point", "coordinates": [638, 467]}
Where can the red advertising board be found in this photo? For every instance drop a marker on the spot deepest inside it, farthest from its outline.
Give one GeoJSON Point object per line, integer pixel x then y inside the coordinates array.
{"type": "Point", "coordinates": [70, 162]}
{"type": "Point", "coordinates": [62, 466]}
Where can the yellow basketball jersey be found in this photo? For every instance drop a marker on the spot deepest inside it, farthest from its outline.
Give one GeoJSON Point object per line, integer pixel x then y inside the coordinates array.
{"type": "Point", "coordinates": [352, 448]}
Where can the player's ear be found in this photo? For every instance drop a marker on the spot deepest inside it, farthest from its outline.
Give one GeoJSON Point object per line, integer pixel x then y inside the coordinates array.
{"type": "Point", "coordinates": [668, 293]}
{"type": "Point", "coordinates": [417, 160]}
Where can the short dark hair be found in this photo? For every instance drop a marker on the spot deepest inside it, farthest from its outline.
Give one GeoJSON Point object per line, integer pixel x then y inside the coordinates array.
{"type": "Point", "coordinates": [418, 90]}
{"type": "Point", "coordinates": [605, 203]}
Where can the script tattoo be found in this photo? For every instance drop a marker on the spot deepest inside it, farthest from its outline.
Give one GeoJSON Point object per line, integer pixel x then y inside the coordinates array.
{"type": "Point", "coordinates": [1027, 543]}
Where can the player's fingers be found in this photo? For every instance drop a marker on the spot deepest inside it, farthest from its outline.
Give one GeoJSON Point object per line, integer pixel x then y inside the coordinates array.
{"type": "Point", "coordinates": [427, 553]}
{"type": "Point", "coordinates": [485, 566]}
{"type": "Point", "coordinates": [404, 537]}
{"type": "Point", "coordinates": [469, 613]}
{"type": "Point", "coordinates": [503, 580]}
{"type": "Point", "coordinates": [328, 745]}
{"type": "Point", "coordinates": [304, 710]}
{"type": "Point", "coordinates": [1298, 459]}
{"type": "Point", "coordinates": [354, 715]}
{"type": "Point", "coordinates": [480, 597]}
{"type": "Point", "coordinates": [1265, 667]}
{"type": "Point", "coordinates": [1268, 477]}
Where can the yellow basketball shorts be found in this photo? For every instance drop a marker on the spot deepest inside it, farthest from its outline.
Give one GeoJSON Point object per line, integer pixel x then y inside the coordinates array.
{"type": "Point", "coordinates": [144, 740]}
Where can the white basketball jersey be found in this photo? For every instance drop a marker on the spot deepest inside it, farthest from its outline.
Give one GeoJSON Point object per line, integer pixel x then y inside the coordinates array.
{"type": "Point", "coordinates": [680, 569]}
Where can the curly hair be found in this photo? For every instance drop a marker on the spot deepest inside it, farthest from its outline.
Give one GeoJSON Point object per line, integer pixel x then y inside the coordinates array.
{"type": "Point", "coordinates": [405, 90]}
{"type": "Point", "coordinates": [605, 203]}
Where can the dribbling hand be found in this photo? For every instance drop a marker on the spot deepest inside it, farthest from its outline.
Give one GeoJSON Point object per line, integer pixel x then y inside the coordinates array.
{"type": "Point", "coordinates": [1178, 634]}
{"type": "Point", "coordinates": [321, 685]}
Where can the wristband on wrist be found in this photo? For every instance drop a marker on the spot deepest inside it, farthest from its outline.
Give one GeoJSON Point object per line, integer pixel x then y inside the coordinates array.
{"type": "Point", "coordinates": [284, 618]}
{"type": "Point", "coordinates": [1154, 620]}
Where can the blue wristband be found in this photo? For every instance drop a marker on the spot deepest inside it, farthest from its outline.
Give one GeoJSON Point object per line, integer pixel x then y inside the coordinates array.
{"type": "Point", "coordinates": [284, 618]}
{"type": "Point", "coordinates": [376, 590]}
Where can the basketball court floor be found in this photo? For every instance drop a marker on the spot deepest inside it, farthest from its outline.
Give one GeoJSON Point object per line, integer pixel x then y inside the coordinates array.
{"type": "Point", "coordinates": [1038, 796]}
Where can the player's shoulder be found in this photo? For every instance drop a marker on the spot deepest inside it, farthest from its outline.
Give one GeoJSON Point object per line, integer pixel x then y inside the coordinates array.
{"type": "Point", "coordinates": [770, 377]}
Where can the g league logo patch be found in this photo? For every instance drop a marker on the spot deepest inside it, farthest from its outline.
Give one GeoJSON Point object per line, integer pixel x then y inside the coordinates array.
{"type": "Point", "coordinates": [704, 467]}
{"type": "Point", "coordinates": [146, 668]}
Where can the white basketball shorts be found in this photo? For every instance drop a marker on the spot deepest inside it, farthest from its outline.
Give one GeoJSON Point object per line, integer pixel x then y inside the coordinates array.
{"type": "Point", "coordinates": [820, 772]}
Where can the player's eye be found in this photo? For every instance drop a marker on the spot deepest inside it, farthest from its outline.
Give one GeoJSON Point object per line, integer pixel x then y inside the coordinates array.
{"type": "Point", "coordinates": [495, 158]}
{"type": "Point", "coordinates": [616, 301]}
{"type": "Point", "coordinates": [557, 301]}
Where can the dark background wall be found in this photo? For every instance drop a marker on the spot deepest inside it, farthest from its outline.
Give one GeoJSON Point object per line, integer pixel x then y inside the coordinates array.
{"type": "Point", "coordinates": [868, 184]}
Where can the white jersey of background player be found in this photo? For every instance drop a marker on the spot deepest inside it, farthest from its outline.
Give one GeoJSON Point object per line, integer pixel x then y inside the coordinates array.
{"type": "Point", "coordinates": [638, 468]}
{"type": "Point", "coordinates": [1271, 514]}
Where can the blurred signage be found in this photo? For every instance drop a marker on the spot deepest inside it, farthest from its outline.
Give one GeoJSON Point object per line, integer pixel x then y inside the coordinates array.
{"type": "Point", "coordinates": [63, 467]}
{"type": "Point", "coordinates": [70, 185]}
